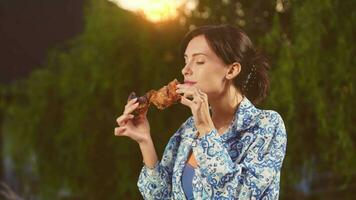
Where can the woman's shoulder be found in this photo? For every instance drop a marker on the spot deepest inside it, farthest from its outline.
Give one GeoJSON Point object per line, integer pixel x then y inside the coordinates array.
{"type": "Point", "coordinates": [270, 118]}
{"type": "Point", "coordinates": [271, 115]}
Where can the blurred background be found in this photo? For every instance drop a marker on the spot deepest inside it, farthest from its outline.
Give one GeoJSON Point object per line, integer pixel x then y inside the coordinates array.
{"type": "Point", "coordinates": [67, 68]}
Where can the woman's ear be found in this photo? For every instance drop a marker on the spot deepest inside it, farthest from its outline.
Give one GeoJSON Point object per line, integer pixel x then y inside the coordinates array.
{"type": "Point", "coordinates": [233, 71]}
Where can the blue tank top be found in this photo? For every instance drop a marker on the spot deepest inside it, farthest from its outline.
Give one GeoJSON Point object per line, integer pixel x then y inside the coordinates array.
{"type": "Point", "coordinates": [187, 178]}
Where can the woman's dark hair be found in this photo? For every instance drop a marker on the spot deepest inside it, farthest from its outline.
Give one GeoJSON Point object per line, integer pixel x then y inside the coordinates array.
{"type": "Point", "coordinates": [232, 44]}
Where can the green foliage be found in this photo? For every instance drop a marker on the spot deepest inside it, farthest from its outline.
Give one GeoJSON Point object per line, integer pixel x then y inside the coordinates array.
{"type": "Point", "coordinates": [314, 76]}
{"type": "Point", "coordinates": [60, 121]}
{"type": "Point", "coordinates": [64, 115]}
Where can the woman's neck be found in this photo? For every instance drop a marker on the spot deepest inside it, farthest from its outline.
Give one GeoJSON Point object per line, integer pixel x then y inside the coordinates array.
{"type": "Point", "coordinates": [224, 106]}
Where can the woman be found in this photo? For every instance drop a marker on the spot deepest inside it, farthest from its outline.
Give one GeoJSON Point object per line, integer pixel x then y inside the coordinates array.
{"type": "Point", "coordinates": [228, 148]}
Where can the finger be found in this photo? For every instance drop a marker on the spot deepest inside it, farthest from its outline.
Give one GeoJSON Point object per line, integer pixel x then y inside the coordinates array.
{"type": "Point", "coordinates": [198, 100]}
{"type": "Point", "coordinates": [186, 92]}
{"type": "Point", "coordinates": [122, 120]}
{"type": "Point", "coordinates": [205, 100]}
{"type": "Point", "coordinates": [131, 96]}
{"type": "Point", "coordinates": [186, 102]}
{"type": "Point", "coordinates": [196, 94]}
{"type": "Point", "coordinates": [181, 86]}
{"type": "Point", "coordinates": [129, 103]}
{"type": "Point", "coordinates": [203, 96]}
{"type": "Point", "coordinates": [201, 93]}
{"type": "Point", "coordinates": [119, 131]}
{"type": "Point", "coordinates": [131, 108]}
{"type": "Point", "coordinates": [189, 96]}
{"type": "Point", "coordinates": [185, 86]}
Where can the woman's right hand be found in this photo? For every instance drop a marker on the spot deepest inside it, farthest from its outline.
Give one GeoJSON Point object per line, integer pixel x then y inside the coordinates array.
{"type": "Point", "coordinates": [138, 128]}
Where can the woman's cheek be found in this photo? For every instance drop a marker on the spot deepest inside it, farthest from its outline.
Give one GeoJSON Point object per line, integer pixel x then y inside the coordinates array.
{"type": "Point", "coordinates": [205, 86]}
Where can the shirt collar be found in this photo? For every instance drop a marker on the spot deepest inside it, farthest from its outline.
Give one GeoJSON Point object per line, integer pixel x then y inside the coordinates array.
{"type": "Point", "coordinates": [245, 115]}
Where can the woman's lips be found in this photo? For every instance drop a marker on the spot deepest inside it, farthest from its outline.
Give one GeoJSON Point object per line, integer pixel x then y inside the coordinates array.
{"type": "Point", "coordinates": [190, 83]}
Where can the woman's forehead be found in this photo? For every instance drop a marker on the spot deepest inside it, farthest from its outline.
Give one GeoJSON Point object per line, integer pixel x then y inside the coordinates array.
{"type": "Point", "coordinates": [198, 46]}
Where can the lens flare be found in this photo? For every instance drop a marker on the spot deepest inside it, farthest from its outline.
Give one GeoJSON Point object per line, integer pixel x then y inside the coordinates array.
{"type": "Point", "coordinates": [156, 10]}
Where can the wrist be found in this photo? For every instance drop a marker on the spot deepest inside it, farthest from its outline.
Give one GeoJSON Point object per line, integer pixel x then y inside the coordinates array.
{"type": "Point", "coordinates": [145, 141]}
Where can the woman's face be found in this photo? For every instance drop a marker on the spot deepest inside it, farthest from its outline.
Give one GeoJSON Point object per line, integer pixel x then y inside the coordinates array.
{"type": "Point", "coordinates": [204, 67]}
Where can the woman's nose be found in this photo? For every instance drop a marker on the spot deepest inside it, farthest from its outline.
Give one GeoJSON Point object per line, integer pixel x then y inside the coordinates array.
{"type": "Point", "coordinates": [186, 69]}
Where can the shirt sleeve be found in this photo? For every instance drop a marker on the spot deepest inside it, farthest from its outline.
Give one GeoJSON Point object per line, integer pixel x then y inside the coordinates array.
{"type": "Point", "coordinates": [156, 182]}
{"type": "Point", "coordinates": [250, 178]}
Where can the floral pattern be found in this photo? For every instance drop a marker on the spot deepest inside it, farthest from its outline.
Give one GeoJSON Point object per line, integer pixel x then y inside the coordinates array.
{"type": "Point", "coordinates": [242, 163]}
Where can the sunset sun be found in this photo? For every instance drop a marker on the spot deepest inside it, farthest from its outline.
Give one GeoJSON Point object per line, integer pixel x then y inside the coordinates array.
{"type": "Point", "coordinates": [156, 10]}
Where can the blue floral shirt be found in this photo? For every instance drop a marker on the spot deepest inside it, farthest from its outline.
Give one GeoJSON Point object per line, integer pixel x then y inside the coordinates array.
{"type": "Point", "coordinates": [242, 163]}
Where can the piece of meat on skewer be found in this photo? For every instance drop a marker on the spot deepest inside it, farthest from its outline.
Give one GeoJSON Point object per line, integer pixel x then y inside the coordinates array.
{"type": "Point", "coordinates": [163, 98]}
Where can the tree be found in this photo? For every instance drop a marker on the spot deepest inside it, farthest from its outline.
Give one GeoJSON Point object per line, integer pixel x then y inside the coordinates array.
{"type": "Point", "coordinates": [62, 117]}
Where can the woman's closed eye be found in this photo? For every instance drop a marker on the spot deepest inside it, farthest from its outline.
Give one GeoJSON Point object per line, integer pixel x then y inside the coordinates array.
{"type": "Point", "coordinates": [198, 62]}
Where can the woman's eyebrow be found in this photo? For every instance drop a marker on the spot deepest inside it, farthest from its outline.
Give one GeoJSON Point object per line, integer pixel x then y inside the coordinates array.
{"type": "Point", "coordinates": [195, 54]}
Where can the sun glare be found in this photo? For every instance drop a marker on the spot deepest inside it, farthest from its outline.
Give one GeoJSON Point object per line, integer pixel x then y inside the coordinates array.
{"type": "Point", "coordinates": [156, 10]}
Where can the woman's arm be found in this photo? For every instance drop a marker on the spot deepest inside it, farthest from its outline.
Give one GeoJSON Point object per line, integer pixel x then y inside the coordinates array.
{"type": "Point", "coordinates": [155, 179]}
{"type": "Point", "coordinates": [148, 153]}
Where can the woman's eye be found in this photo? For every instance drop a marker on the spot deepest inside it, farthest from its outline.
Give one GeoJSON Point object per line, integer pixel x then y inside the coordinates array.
{"type": "Point", "coordinates": [200, 63]}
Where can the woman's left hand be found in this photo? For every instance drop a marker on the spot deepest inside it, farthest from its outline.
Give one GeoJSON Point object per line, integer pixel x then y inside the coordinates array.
{"type": "Point", "coordinates": [199, 106]}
